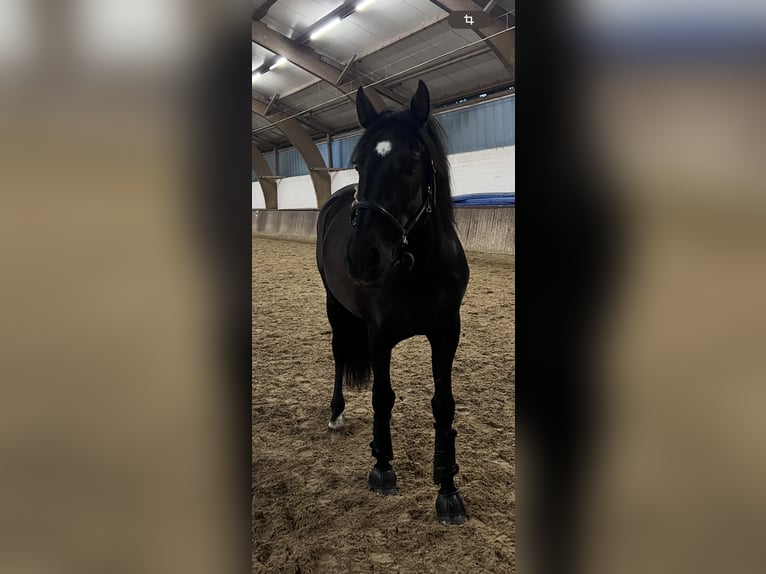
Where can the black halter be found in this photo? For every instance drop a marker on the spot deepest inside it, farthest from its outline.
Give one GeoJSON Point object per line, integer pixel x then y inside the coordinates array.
{"type": "Point", "coordinates": [405, 230]}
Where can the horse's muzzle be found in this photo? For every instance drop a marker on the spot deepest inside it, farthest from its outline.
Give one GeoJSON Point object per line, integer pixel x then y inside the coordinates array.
{"type": "Point", "coordinates": [364, 266]}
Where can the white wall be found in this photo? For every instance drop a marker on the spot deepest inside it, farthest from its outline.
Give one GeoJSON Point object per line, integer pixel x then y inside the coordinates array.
{"type": "Point", "coordinates": [296, 193]}
{"type": "Point", "coordinates": [484, 171]}
{"type": "Point", "coordinates": [259, 201]}
{"type": "Point", "coordinates": [339, 179]}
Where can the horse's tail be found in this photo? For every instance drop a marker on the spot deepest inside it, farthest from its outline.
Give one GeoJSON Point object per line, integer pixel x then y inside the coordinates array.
{"type": "Point", "coordinates": [350, 345]}
{"type": "Point", "coordinates": [355, 353]}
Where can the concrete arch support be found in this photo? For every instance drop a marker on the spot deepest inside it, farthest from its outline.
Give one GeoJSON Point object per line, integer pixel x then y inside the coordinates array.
{"type": "Point", "coordinates": [302, 141]}
{"type": "Point", "coordinates": [263, 172]}
{"type": "Point", "coordinates": [310, 152]}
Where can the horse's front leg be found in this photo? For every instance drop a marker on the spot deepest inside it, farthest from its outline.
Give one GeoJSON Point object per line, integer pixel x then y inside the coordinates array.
{"type": "Point", "coordinates": [450, 508]}
{"type": "Point", "coordinates": [382, 478]}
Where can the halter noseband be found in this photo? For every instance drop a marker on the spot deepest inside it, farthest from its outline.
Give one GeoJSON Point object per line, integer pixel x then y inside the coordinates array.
{"type": "Point", "coordinates": [405, 230]}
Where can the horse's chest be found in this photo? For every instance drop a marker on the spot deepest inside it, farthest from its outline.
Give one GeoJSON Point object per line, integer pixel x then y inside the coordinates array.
{"type": "Point", "coordinates": [413, 316]}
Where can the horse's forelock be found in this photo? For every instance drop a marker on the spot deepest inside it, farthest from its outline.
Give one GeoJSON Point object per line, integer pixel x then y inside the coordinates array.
{"type": "Point", "coordinates": [432, 136]}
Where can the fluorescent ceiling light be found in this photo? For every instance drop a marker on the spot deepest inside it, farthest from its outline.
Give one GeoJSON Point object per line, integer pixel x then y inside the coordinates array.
{"type": "Point", "coordinates": [363, 5]}
{"type": "Point", "coordinates": [326, 28]}
{"type": "Point", "coordinates": [256, 76]}
{"type": "Point", "coordinates": [278, 63]}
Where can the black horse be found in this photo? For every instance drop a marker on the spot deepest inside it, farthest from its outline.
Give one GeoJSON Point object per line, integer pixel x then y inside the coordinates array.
{"type": "Point", "coordinates": [393, 267]}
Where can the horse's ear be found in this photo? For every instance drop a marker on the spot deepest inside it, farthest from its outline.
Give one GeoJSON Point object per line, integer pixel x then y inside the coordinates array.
{"type": "Point", "coordinates": [364, 109]}
{"type": "Point", "coordinates": [420, 104]}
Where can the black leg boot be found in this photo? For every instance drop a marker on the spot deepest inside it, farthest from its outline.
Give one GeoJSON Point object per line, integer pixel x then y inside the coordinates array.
{"type": "Point", "coordinates": [450, 508]}
{"type": "Point", "coordinates": [382, 479]}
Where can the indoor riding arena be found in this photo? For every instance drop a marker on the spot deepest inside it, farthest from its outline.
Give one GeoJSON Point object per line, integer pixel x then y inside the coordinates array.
{"type": "Point", "coordinates": [313, 510]}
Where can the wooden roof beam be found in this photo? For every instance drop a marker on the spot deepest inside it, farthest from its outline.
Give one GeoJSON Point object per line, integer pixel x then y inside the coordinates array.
{"type": "Point", "coordinates": [260, 12]}
{"type": "Point", "coordinates": [274, 111]}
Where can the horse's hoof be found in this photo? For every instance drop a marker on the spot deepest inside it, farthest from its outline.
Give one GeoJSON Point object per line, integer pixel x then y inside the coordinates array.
{"type": "Point", "coordinates": [337, 424]}
{"type": "Point", "coordinates": [335, 429]}
{"type": "Point", "coordinates": [382, 481]}
{"type": "Point", "coordinates": [450, 508]}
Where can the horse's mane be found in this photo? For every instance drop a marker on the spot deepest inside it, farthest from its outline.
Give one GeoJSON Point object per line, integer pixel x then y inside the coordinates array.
{"type": "Point", "coordinates": [434, 143]}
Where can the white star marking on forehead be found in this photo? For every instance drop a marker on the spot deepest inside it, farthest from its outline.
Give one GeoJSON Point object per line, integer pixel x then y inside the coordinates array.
{"type": "Point", "coordinates": [383, 148]}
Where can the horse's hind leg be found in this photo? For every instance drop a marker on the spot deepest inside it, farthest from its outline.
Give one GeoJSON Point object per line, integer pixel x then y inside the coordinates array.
{"type": "Point", "coordinates": [351, 354]}
{"type": "Point", "coordinates": [450, 508]}
{"type": "Point", "coordinates": [338, 403]}
{"type": "Point", "coordinates": [336, 315]}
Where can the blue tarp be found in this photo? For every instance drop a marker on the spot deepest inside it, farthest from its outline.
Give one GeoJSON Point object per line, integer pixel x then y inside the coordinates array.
{"type": "Point", "coordinates": [485, 199]}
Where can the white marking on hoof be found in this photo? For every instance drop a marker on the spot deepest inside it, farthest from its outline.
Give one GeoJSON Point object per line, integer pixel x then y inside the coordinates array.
{"type": "Point", "coordinates": [383, 148]}
{"type": "Point", "coordinates": [337, 423]}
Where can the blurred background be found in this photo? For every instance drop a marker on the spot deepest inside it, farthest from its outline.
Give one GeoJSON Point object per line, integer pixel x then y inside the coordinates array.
{"type": "Point", "coordinates": [668, 107]}
{"type": "Point", "coordinates": [115, 132]}
{"type": "Point", "coordinates": [117, 430]}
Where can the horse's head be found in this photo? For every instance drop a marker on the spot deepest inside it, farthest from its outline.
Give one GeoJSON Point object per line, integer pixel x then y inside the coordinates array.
{"type": "Point", "coordinates": [395, 191]}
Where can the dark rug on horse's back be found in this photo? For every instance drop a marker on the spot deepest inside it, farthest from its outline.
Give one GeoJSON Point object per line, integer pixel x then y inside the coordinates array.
{"type": "Point", "coordinates": [312, 510]}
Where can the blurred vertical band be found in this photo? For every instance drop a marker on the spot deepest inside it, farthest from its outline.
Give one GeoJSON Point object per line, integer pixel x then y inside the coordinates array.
{"type": "Point", "coordinates": [640, 266]}
{"type": "Point", "coordinates": [124, 237]}
{"type": "Point", "coordinates": [567, 226]}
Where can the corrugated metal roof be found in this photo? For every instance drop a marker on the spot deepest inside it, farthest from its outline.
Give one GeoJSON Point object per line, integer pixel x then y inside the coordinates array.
{"type": "Point", "coordinates": [395, 43]}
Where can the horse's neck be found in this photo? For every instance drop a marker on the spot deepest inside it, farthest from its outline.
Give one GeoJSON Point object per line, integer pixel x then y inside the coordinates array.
{"type": "Point", "coordinates": [434, 245]}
